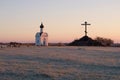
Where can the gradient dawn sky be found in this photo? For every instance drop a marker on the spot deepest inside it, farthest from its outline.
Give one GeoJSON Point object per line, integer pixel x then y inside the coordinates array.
{"type": "Point", "coordinates": [20, 19]}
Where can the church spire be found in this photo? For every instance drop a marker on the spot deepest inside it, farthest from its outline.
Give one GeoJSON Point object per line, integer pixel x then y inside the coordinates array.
{"type": "Point", "coordinates": [41, 27]}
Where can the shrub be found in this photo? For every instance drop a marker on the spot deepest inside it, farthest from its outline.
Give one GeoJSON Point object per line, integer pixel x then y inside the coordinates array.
{"type": "Point", "coordinates": [104, 41]}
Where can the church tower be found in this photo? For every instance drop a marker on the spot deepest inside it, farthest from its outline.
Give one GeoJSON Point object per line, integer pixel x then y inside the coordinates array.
{"type": "Point", "coordinates": [41, 27]}
{"type": "Point", "coordinates": [41, 38]}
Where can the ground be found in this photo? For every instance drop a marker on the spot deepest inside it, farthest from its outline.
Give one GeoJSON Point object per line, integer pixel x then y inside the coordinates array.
{"type": "Point", "coordinates": [60, 63]}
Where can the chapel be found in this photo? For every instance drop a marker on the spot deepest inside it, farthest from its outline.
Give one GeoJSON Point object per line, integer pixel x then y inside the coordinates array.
{"type": "Point", "coordinates": [41, 38]}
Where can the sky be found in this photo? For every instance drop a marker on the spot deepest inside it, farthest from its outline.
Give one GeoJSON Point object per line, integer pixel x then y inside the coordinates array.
{"type": "Point", "coordinates": [62, 19]}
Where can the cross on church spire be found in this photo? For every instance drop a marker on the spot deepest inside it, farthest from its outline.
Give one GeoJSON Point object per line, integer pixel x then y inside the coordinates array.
{"type": "Point", "coordinates": [85, 24]}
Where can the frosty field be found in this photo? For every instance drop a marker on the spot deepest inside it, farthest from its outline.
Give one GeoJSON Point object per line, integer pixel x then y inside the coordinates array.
{"type": "Point", "coordinates": [60, 63]}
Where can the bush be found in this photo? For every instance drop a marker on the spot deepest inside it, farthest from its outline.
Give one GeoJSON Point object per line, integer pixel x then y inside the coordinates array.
{"type": "Point", "coordinates": [104, 41]}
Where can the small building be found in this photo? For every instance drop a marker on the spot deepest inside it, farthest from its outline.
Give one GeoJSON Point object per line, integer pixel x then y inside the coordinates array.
{"type": "Point", "coordinates": [41, 38]}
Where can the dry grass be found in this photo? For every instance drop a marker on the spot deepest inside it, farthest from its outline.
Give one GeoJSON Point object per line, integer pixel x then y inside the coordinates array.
{"type": "Point", "coordinates": [60, 63]}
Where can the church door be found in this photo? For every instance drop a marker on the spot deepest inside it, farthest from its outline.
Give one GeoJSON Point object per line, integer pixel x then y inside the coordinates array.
{"type": "Point", "coordinates": [44, 41]}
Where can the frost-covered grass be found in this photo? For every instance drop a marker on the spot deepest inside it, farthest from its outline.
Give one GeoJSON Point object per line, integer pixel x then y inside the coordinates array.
{"type": "Point", "coordinates": [60, 63]}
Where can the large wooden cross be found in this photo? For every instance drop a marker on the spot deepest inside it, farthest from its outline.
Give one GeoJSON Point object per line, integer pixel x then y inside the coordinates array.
{"type": "Point", "coordinates": [85, 24]}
